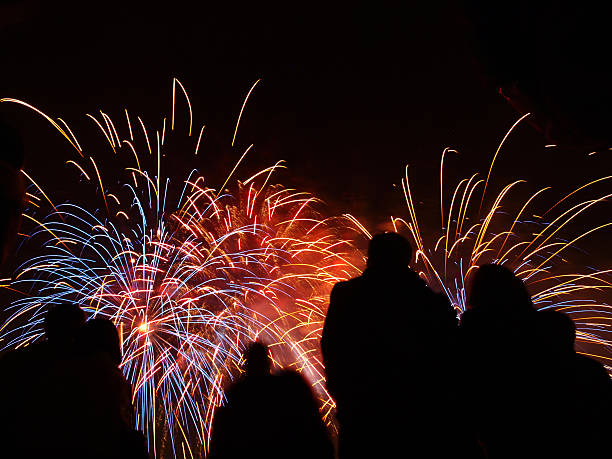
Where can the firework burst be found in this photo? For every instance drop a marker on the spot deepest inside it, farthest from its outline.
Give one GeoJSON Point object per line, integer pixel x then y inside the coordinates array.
{"type": "Point", "coordinates": [535, 245]}
{"type": "Point", "coordinates": [187, 281]}
{"type": "Point", "coordinates": [191, 273]}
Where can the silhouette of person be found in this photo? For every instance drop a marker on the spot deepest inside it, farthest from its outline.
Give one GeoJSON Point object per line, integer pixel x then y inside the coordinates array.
{"type": "Point", "coordinates": [65, 395]}
{"type": "Point", "coordinates": [578, 393]}
{"type": "Point", "coordinates": [500, 365]}
{"type": "Point", "coordinates": [100, 336]}
{"type": "Point", "coordinates": [386, 347]}
{"type": "Point", "coordinates": [108, 396]}
{"type": "Point", "coordinates": [28, 380]}
{"type": "Point", "coordinates": [12, 188]}
{"type": "Point", "coordinates": [271, 415]}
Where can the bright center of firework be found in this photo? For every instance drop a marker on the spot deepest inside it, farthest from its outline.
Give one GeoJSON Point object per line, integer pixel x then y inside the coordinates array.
{"type": "Point", "coordinates": [212, 270]}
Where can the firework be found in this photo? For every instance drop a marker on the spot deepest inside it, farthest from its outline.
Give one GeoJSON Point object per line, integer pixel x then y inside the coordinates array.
{"type": "Point", "coordinates": [187, 281]}
{"type": "Point", "coordinates": [536, 246]}
{"type": "Point", "coordinates": [191, 273]}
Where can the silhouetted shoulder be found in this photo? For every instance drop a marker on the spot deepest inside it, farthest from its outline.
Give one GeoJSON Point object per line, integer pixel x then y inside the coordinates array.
{"type": "Point", "coordinates": [340, 287]}
{"type": "Point", "coordinates": [15, 364]}
{"type": "Point", "coordinates": [299, 418]}
{"type": "Point", "coordinates": [593, 369]}
{"type": "Point", "coordinates": [9, 359]}
{"type": "Point", "coordinates": [348, 285]}
{"type": "Point", "coordinates": [295, 396]}
{"type": "Point", "coordinates": [296, 385]}
{"type": "Point", "coordinates": [444, 311]}
{"type": "Point", "coordinates": [341, 295]}
{"type": "Point", "coordinates": [293, 378]}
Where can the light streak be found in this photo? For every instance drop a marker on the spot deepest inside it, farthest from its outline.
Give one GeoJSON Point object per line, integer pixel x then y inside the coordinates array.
{"type": "Point", "coordinates": [188, 281]}
{"type": "Point", "coordinates": [536, 247]}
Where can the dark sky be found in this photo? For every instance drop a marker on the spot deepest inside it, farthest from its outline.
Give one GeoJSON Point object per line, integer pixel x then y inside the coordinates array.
{"type": "Point", "coordinates": [349, 94]}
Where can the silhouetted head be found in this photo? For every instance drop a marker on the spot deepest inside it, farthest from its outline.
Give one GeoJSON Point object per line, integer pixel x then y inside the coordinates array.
{"type": "Point", "coordinates": [497, 289]}
{"type": "Point", "coordinates": [257, 359]}
{"type": "Point", "coordinates": [12, 188]}
{"type": "Point", "coordinates": [100, 335]}
{"type": "Point", "coordinates": [557, 330]}
{"type": "Point", "coordinates": [389, 250]}
{"type": "Point", "coordinates": [63, 323]}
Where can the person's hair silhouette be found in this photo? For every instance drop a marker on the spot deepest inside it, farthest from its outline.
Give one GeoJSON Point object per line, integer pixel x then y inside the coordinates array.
{"type": "Point", "coordinates": [100, 335]}
{"type": "Point", "coordinates": [257, 360]}
{"type": "Point", "coordinates": [496, 287]}
{"type": "Point", "coordinates": [63, 323]}
{"type": "Point", "coordinates": [558, 331]}
{"type": "Point", "coordinates": [389, 250]}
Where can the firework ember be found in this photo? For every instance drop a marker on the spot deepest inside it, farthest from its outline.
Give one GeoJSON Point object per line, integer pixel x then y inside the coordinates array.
{"type": "Point", "coordinates": [187, 281]}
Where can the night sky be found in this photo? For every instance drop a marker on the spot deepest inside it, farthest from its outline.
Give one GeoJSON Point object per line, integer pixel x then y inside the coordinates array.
{"type": "Point", "coordinates": [348, 97]}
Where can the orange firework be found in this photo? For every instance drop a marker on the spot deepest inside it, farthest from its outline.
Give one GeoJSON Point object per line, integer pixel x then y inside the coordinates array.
{"type": "Point", "coordinates": [187, 281]}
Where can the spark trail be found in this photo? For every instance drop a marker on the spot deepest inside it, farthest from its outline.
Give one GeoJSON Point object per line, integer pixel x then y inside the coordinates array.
{"type": "Point", "coordinates": [536, 243]}
{"type": "Point", "coordinates": [188, 280]}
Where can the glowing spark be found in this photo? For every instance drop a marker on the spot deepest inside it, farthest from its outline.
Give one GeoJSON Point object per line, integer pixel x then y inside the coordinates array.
{"type": "Point", "coordinates": [533, 249]}
{"type": "Point", "coordinates": [242, 109]}
{"type": "Point", "coordinates": [188, 282]}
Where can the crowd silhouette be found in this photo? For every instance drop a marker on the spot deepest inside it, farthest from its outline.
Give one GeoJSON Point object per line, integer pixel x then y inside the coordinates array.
{"type": "Point", "coordinates": [409, 378]}
{"type": "Point", "coordinates": [269, 415]}
{"type": "Point", "coordinates": [65, 396]}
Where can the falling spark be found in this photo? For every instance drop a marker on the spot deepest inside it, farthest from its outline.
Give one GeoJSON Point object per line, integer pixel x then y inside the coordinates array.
{"type": "Point", "coordinates": [188, 282]}
{"type": "Point", "coordinates": [535, 244]}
